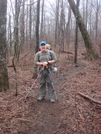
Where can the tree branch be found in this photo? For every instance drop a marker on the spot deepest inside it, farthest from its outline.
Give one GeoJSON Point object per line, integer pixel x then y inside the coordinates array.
{"type": "Point", "coordinates": [90, 99]}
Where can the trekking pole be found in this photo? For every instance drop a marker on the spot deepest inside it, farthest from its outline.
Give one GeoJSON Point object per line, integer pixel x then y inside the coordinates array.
{"type": "Point", "coordinates": [53, 86]}
{"type": "Point", "coordinates": [33, 84]}
{"type": "Point", "coordinates": [31, 88]}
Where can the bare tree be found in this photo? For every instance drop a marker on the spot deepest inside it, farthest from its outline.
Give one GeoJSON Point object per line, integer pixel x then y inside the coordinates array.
{"type": "Point", "coordinates": [16, 40]}
{"type": "Point", "coordinates": [16, 33]}
{"type": "Point", "coordinates": [57, 22]}
{"type": "Point", "coordinates": [97, 18]}
{"type": "Point", "coordinates": [76, 37]}
{"type": "Point", "coordinates": [62, 26]}
{"type": "Point", "coordinates": [9, 35]}
{"type": "Point", "coordinates": [67, 29]}
{"type": "Point", "coordinates": [22, 26]}
{"type": "Point", "coordinates": [56, 25]}
{"type": "Point", "coordinates": [90, 22]}
{"type": "Point", "coordinates": [91, 52]}
{"type": "Point", "coordinates": [37, 25]}
{"type": "Point", "coordinates": [86, 12]}
{"type": "Point", "coordinates": [42, 19]}
{"type": "Point", "coordinates": [30, 23]}
{"type": "Point", "coordinates": [26, 28]}
{"type": "Point", "coordinates": [4, 84]}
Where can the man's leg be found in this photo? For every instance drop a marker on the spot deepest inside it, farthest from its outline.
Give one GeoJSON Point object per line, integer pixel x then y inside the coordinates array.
{"type": "Point", "coordinates": [42, 91]}
{"type": "Point", "coordinates": [51, 92]}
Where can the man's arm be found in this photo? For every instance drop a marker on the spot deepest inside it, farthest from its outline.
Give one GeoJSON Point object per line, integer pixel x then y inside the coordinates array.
{"type": "Point", "coordinates": [54, 58]}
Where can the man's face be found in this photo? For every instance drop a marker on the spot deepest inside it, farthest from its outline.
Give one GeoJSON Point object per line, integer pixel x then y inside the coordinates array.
{"type": "Point", "coordinates": [43, 47]}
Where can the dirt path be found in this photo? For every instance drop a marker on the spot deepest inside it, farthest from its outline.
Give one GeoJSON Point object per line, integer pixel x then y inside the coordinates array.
{"type": "Point", "coordinates": [71, 114]}
{"type": "Point", "coordinates": [46, 116]}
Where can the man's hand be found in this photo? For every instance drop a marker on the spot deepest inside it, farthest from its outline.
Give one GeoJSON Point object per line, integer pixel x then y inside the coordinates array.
{"type": "Point", "coordinates": [45, 64]}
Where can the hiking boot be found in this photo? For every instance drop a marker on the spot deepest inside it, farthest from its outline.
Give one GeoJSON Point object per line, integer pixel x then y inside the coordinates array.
{"type": "Point", "coordinates": [52, 100]}
{"type": "Point", "coordinates": [40, 98]}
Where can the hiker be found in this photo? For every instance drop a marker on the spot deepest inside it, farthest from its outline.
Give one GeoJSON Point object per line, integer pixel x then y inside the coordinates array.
{"type": "Point", "coordinates": [44, 59]}
{"type": "Point", "coordinates": [48, 46]}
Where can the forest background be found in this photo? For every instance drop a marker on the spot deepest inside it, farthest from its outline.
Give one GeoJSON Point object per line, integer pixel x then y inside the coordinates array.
{"type": "Point", "coordinates": [73, 29]}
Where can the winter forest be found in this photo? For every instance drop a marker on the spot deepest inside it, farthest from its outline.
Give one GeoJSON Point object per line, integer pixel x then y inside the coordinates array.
{"type": "Point", "coordinates": [73, 29]}
{"type": "Point", "coordinates": [55, 19]}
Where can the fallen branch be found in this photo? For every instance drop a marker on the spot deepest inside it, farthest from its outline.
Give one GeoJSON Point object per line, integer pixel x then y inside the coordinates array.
{"type": "Point", "coordinates": [90, 99]}
{"type": "Point", "coordinates": [25, 120]}
{"type": "Point", "coordinates": [25, 55]}
{"type": "Point", "coordinates": [10, 66]}
{"type": "Point", "coordinates": [66, 52]}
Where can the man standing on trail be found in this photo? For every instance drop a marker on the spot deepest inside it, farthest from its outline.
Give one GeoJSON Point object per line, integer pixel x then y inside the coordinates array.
{"type": "Point", "coordinates": [44, 59]}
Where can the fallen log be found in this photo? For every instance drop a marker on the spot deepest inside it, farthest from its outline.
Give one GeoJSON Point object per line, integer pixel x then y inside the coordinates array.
{"type": "Point", "coordinates": [90, 99]}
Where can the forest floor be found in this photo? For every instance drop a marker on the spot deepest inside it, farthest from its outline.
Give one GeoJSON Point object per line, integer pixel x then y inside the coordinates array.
{"type": "Point", "coordinates": [77, 110]}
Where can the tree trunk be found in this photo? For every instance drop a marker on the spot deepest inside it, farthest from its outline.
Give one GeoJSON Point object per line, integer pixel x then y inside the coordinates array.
{"type": "Point", "coordinates": [26, 29]}
{"type": "Point", "coordinates": [86, 12]}
{"type": "Point", "coordinates": [91, 52]}
{"type": "Point", "coordinates": [57, 22]}
{"type": "Point", "coordinates": [42, 19]}
{"type": "Point", "coordinates": [22, 27]}
{"type": "Point", "coordinates": [10, 36]}
{"type": "Point", "coordinates": [4, 84]}
{"type": "Point", "coordinates": [67, 29]}
{"type": "Point", "coordinates": [16, 38]}
{"type": "Point", "coordinates": [62, 27]}
{"type": "Point", "coordinates": [30, 23]}
{"type": "Point", "coordinates": [97, 20]}
{"type": "Point", "coordinates": [37, 25]}
{"type": "Point", "coordinates": [76, 38]}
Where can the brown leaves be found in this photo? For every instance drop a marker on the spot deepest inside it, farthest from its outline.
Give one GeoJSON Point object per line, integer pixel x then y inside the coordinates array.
{"type": "Point", "coordinates": [71, 114]}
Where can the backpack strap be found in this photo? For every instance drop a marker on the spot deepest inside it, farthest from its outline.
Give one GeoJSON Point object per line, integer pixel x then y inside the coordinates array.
{"type": "Point", "coordinates": [50, 54]}
{"type": "Point", "coordinates": [39, 54]}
